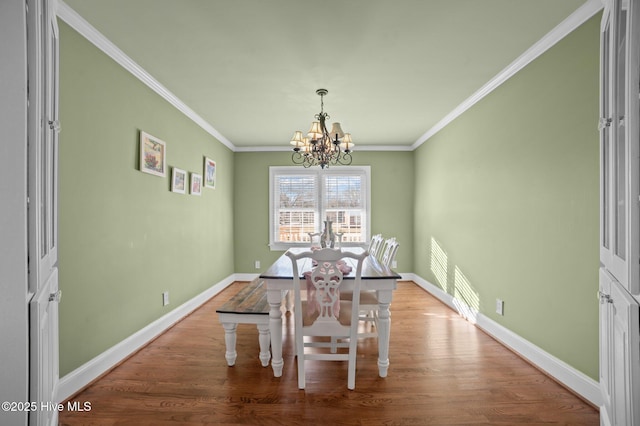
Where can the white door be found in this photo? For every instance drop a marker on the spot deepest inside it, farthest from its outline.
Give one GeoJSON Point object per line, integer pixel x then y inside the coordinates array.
{"type": "Point", "coordinates": [625, 345]}
{"type": "Point", "coordinates": [606, 130]}
{"type": "Point", "coordinates": [606, 382]}
{"type": "Point", "coordinates": [619, 184]}
{"type": "Point", "coordinates": [43, 130]}
{"type": "Point", "coordinates": [44, 352]}
{"type": "Point", "coordinates": [620, 214]}
{"type": "Point", "coordinates": [619, 354]}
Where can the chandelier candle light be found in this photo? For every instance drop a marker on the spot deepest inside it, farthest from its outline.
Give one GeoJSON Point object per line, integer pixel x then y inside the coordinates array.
{"type": "Point", "coordinates": [321, 147]}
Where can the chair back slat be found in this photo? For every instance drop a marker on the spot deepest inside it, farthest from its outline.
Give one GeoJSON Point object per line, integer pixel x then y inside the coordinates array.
{"type": "Point", "coordinates": [326, 279]}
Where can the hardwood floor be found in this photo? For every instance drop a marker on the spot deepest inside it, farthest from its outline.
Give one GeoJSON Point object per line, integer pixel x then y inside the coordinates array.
{"type": "Point", "coordinates": [443, 371]}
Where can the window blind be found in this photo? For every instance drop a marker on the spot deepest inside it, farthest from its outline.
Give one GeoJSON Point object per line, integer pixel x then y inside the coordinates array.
{"type": "Point", "coordinates": [296, 207]}
{"type": "Point", "coordinates": [343, 205]}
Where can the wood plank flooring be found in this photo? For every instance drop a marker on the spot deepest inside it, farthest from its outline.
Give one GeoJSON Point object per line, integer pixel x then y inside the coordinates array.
{"type": "Point", "coordinates": [444, 371]}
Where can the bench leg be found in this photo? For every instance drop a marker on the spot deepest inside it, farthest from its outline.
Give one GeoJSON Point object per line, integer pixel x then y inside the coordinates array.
{"type": "Point", "coordinates": [275, 327]}
{"type": "Point", "coordinates": [264, 337]}
{"type": "Point", "coordinates": [230, 342]}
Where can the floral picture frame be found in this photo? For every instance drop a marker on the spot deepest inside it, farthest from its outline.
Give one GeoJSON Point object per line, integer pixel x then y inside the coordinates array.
{"type": "Point", "coordinates": [196, 184]}
{"type": "Point", "coordinates": [153, 155]}
{"type": "Point", "coordinates": [209, 173]}
{"type": "Point", "coordinates": [178, 180]}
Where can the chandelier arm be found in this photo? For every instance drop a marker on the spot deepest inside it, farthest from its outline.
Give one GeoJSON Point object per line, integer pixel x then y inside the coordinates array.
{"type": "Point", "coordinates": [297, 158]}
{"type": "Point", "coordinates": [308, 160]}
{"type": "Point", "coordinates": [347, 159]}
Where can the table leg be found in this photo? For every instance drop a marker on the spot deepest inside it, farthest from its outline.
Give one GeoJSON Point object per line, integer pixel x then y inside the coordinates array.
{"type": "Point", "coordinates": [264, 338]}
{"type": "Point", "coordinates": [288, 300]}
{"type": "Point", "coordinates": [230, 342]}
{"type": "Point", "coordinates": [275, 327]}
{"type": "Point", "coordinates": [384, 331]}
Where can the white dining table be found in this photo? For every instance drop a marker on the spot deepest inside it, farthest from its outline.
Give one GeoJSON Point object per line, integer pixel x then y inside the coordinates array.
{"type": "Point", "coordinates": [375, 276]}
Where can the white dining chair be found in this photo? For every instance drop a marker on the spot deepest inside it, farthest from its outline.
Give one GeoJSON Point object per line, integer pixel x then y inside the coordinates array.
{"type": "Point", "coordinates": [339, 236]}
{"type": "Point", "coordinates": [314, 237]}
{"type": "Point", "coordinates": [326, 313]}
{"type": "Point", "coordinates": [375, 245]}
{"type": "Point", "coordinates": [389, 252]}
{"type": "Point", "coordinates": [318, 236]}
{"type": "Point", "coordinates": [369, 299]}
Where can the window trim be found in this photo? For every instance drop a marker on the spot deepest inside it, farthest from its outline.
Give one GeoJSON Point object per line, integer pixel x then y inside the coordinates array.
{"type": "Point", "coordinates": [340, 170]}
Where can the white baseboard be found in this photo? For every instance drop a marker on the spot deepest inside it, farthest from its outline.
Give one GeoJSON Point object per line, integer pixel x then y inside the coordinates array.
{"type": "Point", "coordinates": [246, 277]}
{"type": "Point", "coordinates": [90, 371]}
{"type": "Point", "coordinates": [568, 376]}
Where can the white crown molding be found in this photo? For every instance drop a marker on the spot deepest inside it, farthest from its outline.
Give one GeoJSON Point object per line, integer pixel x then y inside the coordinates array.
{"type": "Point", "coordinates": [575, 380]}
{"type": "Point", "coordinates": [282, 148]}
{"type": "Point", "coordinates": [577, 18]}
{"type": "Point", "coordinates": [285, 148]}
{"type": "Point", "coordinates": [383, 148]}
{"type": "Point", "coordinates": [78, 23]}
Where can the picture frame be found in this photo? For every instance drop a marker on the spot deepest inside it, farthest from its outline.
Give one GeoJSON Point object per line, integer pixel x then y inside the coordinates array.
{"type": "Point", "coordinates": [196, 184]}
{"type": "Point", "coordinates": [178, 180]}
{"type": "Point", "coordinates": [209, 173]}
{"type": "Point", "coordinates": [153, 155]}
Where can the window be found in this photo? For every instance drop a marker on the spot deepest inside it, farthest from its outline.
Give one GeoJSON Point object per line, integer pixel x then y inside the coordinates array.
{"type": "Point", "coordinates": [302, 199]}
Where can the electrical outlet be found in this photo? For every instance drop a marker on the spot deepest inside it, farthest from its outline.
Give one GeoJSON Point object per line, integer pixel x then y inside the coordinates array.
{"type": "Point", "coordinates": [165, 298]}
{"type": "Point", "coordinates": [394, 264]}
{"type": "Point", "coordinates": [257, 264]}
{"type": "Point", "coordinates": [499, 307]}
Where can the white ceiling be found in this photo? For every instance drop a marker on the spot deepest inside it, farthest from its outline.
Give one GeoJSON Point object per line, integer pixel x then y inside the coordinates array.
{"type": "Point", "coordinates": [393, 69]}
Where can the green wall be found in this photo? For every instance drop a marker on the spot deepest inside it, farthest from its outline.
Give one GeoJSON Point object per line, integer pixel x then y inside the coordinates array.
{"type": "Point", "coordinates": [506, 202]}
{"type": "Point", "coordinates": [124, 237]}
{"type": "Point", "coordinates": [391, 203]}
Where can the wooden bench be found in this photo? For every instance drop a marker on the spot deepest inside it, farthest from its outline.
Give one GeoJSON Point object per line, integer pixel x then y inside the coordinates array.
{"type": "Point", "coordinates": [249, 306]}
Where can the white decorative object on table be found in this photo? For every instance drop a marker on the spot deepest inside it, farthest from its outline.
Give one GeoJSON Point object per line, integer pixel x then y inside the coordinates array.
{"type": "Point", "coordinates": [328, 238]}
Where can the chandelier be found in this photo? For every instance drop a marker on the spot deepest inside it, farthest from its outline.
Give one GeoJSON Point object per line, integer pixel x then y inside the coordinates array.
{"type": "Point", "coordinates": [321, 147]}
